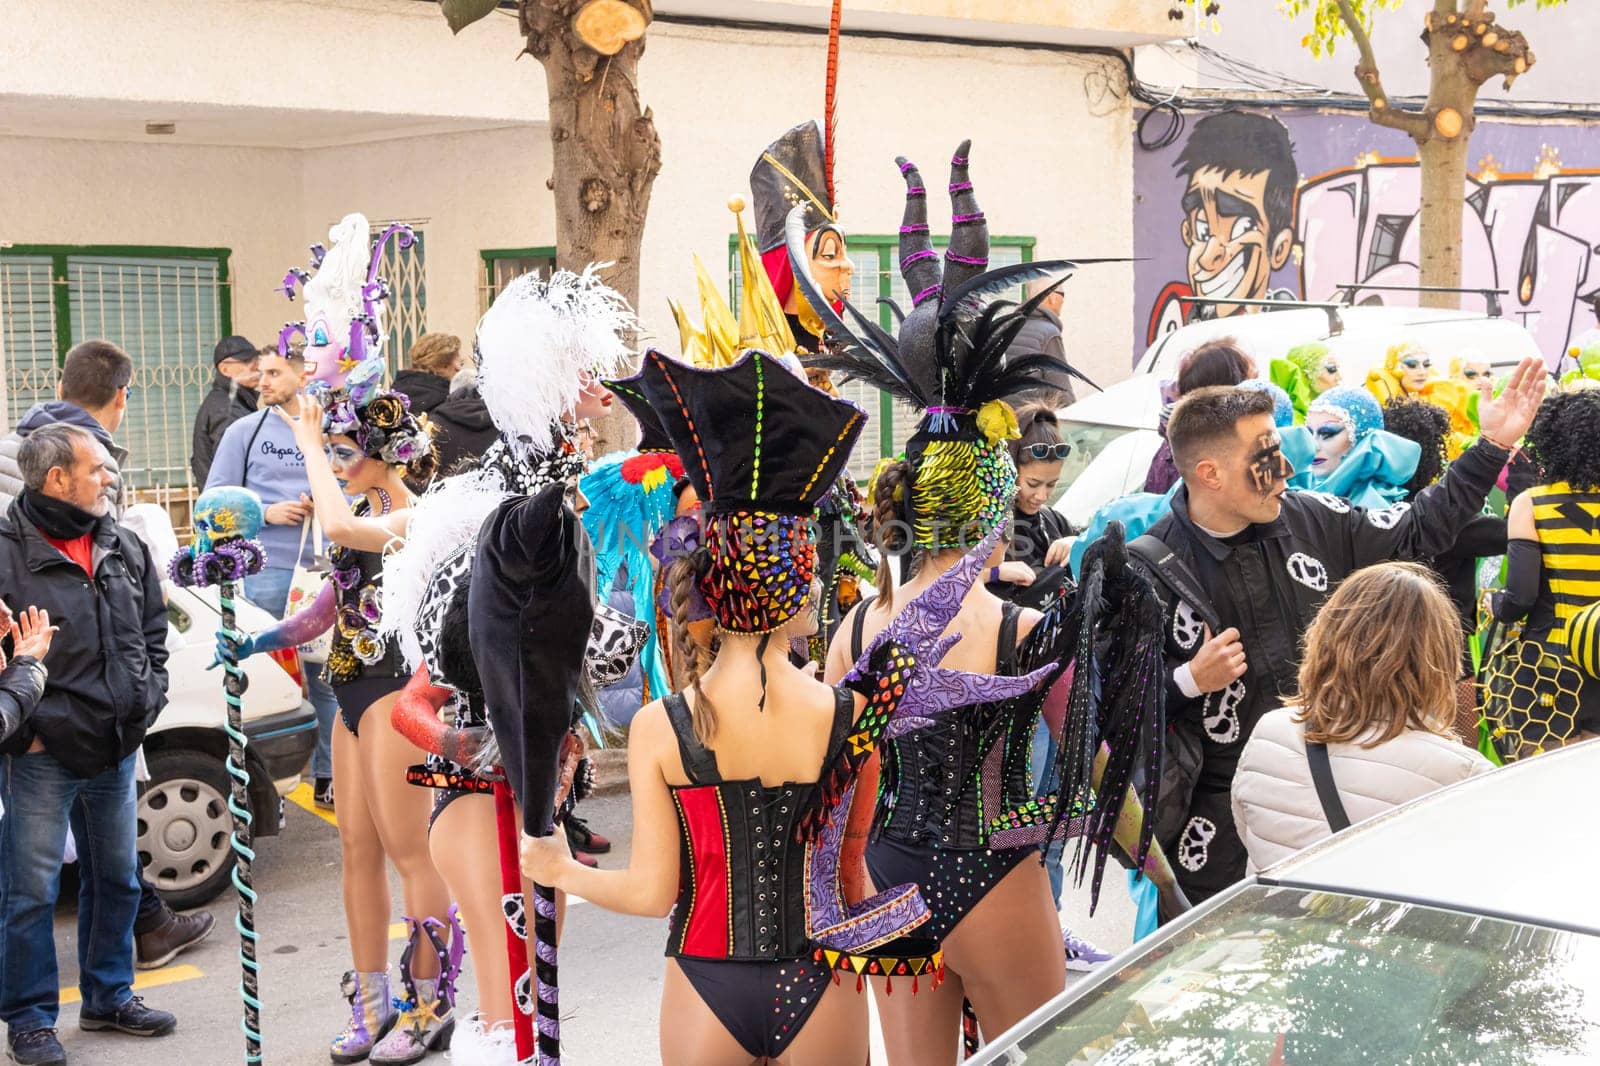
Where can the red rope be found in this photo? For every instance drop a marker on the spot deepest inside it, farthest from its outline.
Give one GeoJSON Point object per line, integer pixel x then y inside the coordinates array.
{"type": "Point", "coordinates": [830, 99]}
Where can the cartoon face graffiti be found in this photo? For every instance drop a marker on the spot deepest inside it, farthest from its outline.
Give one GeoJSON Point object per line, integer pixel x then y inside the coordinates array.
{"type": "Point", "coordinates": [1334, 437]}
{"type": "Point", "coordinates": [1238, 222]}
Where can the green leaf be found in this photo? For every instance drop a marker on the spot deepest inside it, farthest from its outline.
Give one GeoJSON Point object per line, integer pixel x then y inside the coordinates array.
{"type": "Point", "coordinates": [462, 13]}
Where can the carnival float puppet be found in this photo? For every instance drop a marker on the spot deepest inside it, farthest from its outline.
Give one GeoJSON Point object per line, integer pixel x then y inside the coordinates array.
{"type": "Point", "coordinates": [344, 301]}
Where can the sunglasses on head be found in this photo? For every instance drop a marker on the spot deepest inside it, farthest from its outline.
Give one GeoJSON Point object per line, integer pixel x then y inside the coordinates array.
{"type": "Point", "coordinates": [1045, 452]}
{"type": "Point", "coordinates": [1411, 362]}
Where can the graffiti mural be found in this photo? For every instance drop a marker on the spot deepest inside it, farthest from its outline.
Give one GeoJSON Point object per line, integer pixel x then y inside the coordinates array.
{"type": "Point", "coordinates": [1216, 218]}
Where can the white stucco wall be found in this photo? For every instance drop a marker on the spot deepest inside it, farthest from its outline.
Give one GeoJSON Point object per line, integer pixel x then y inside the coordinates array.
{"type": "Point", "coordinates": [1045, 164]}
{"type": "Point", "coordinates": [107, 192]}
{"type": "Point", "coordinates": [470, 191]}
{"type": "Point", "coordinates": [1049, 161]}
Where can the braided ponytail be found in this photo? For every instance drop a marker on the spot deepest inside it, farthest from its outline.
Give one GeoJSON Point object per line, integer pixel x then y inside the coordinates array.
{"type": "Point", "coordinates": [695, 659]}
{"type": "Point", "coordinates": [889, 530]}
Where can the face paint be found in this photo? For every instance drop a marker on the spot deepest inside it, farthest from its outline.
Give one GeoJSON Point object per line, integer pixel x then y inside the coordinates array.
{"type": "Point", "coordinates": [1267, 464]}
{"type": "Point", "coordinates": [1333, 439]}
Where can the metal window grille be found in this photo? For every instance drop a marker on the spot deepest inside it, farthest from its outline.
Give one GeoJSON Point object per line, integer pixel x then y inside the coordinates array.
{"type": "Point", "coordinates": [166, 308]}
{"type": "Point", "coordinates": [27, 333]}
{"type": "Point", "coordinates": [406, 311]}
{"type": "Point", "coordinates": [877, 275]}
{"type": "Point", "coordinates": [502, 266]}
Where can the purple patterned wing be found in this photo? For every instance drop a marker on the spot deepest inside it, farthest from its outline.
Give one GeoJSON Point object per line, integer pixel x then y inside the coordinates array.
{"type": "Point", "coordinates": [919, 627]}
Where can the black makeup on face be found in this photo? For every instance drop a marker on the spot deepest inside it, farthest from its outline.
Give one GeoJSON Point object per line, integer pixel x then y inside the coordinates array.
{"type": "Point", "coordinates": [1268, 465]}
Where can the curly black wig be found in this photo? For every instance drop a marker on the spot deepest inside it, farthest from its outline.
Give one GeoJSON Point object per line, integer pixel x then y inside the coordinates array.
{"type": "Point", "coordinates": [1565, 439]}
{"type": "Point", "coordinates": [1428, 425]}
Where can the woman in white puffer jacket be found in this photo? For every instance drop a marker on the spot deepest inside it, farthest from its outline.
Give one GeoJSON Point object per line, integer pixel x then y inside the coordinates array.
{"type": "Point", "coordinates": [1377, 687]}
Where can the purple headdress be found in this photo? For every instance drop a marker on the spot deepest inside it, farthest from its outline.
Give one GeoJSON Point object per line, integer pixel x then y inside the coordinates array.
{"type": "Point", "coordinates": [343, 326]}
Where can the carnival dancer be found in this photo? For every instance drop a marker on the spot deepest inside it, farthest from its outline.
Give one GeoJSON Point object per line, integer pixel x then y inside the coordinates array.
{"type": "Point", "coordinates": [1305, 372]}
{"type": "Point", "coordinates": [722, 773]}
{"type": "Point", "coordinates": [542, 350]}
{"type": "Point", "coordinates": [1356, 458]}
{"type": "Point", "coordinates": [1407, 372]}
{"type": "Point", "coordinates": [992, 910]}
{"type": "Point", "coordinates": [361, 441]}
{"type": "Point", "coordinates": [1543, 691]}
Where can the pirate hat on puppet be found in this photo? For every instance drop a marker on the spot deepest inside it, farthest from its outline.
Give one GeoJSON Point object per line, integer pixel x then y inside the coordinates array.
{"type": "Point", "coordinates": [761, 448]}
{"type": "Point", "coordinates": [792, 175]}
{"type": "Point", "coordinates": [949, 360]}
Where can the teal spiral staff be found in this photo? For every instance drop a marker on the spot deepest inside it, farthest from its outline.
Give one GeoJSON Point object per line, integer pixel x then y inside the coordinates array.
{"type": "Point", "coordinates": [233, 684]}
{"type": "Point", "coordinates": [224, 551]}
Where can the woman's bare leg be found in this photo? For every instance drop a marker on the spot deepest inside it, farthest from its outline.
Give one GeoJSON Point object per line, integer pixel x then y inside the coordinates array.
{"type": "Point", "coordinates": [464, 846]}
{"type": "Point", "coordinates": [1008, 950]}
{"type": "Point", "coordinates": [401, 812]}
{"type": "Point", "coordinates": [364, 877]}
{"type": "Point", "coordinates": [922, 1029]}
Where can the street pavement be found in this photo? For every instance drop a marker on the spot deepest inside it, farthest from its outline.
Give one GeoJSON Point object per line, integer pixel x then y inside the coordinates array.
{"type": "Point", "coordinates": [610, 965]}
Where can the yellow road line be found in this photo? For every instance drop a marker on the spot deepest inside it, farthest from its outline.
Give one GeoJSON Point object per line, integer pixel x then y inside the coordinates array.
{"type": "Point", "coordinates": [167, 975]}
{"type": "Point", "coordinates": [302, 797]}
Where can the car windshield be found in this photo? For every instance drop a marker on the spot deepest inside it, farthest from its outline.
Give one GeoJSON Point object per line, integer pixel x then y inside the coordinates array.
{"type": "Point", "coordinates": [1088, 441]}
{"type": "Point", "coordinates": [1289, 977]}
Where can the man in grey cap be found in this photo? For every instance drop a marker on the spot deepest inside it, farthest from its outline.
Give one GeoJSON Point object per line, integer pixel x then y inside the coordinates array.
{"type": "Point", "coordinates": [232, 396]}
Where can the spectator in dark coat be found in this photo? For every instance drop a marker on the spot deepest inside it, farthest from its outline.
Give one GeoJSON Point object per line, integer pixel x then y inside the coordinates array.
{"type": "Point", "coordinates": [1041, 335]}
{"type": "Point", "coordinates": [232, 396]}
{"type": "Point", "coordinates": [73, 760]}
{"type": "Point", "coordinates": [431, 363]}
{"type": "Point", "coordinates": [462, 428]}
{"type": "Point", "coordinates": [1218, 362]}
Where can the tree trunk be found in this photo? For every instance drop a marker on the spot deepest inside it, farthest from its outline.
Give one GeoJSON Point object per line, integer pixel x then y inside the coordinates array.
{"type": "Point", "coordinates": [605, 156]}
{"type": "Point", "coordinates": [1444, 170]}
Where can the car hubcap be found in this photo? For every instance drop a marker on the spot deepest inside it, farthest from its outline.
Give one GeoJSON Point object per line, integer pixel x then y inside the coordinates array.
{"type": "Point", "coordinates": [183, 833]}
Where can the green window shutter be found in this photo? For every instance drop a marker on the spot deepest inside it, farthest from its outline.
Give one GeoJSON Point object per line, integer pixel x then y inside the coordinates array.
{"type": "Point", "coordinates": [28, 333]}
{"type": "Point", "coordinates": [501, 266]}
{"type": "Point", "coordinates": [166, 313]}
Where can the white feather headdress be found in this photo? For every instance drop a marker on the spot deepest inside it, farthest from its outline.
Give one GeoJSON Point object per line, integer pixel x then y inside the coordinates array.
{"type": "Point", "coordinates": [441, 520]}
{"type": "Point", "coordinates": [539, 339]}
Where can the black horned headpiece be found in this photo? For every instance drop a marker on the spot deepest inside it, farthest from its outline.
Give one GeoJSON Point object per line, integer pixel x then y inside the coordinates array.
{"type": "Point", "coordinates": [950, 352]}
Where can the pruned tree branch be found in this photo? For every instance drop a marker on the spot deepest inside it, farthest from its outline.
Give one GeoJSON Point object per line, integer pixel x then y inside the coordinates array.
{"type": "Point", "coordinates": [1371, 81]}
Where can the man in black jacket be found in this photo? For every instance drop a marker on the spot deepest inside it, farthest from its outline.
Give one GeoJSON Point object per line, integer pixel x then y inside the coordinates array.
{"type": "Point", "coordinates": [1264, 561]}
{"type": "Point", "coordinates": [233, 395]}
{"type": "Point", "coordinates": [73, 760]}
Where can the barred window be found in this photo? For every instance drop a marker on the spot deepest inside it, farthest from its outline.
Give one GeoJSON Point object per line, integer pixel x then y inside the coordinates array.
{"type": "Point", "coordinates": [502, 265]}
{"type": "Point", "coordinates": [166, 307]}
{"type": "Point", "coordinates": [406, 309]}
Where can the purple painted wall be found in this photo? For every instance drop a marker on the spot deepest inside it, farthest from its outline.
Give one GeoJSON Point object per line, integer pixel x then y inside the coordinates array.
{"type": "Point", "coordinates": [1531, 213]}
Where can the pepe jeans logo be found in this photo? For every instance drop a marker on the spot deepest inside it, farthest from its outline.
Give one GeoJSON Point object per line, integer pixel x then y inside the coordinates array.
{"type": "Point", "coordinates": [290, 455]}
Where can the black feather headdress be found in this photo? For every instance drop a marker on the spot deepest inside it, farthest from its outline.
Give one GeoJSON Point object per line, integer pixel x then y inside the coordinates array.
{"type": "Point", "coordinates": [950, 352]}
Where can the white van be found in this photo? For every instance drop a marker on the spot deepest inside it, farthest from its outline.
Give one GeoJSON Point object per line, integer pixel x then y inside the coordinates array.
{"type": "Point", "coordinates": [1114, 433]}
{"type": "Point", "coordinates": [184, 824]}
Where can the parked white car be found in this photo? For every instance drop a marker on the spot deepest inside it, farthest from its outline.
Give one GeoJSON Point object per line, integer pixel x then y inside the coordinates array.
{"type": "Point", "coordinates": [184, 824]}
{"type": "Point", "coordinates": [1114, 433]}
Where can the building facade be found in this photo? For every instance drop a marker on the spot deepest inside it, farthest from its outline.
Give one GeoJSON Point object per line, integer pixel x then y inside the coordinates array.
{"type": "Point", "coordinates": [284, 115]}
